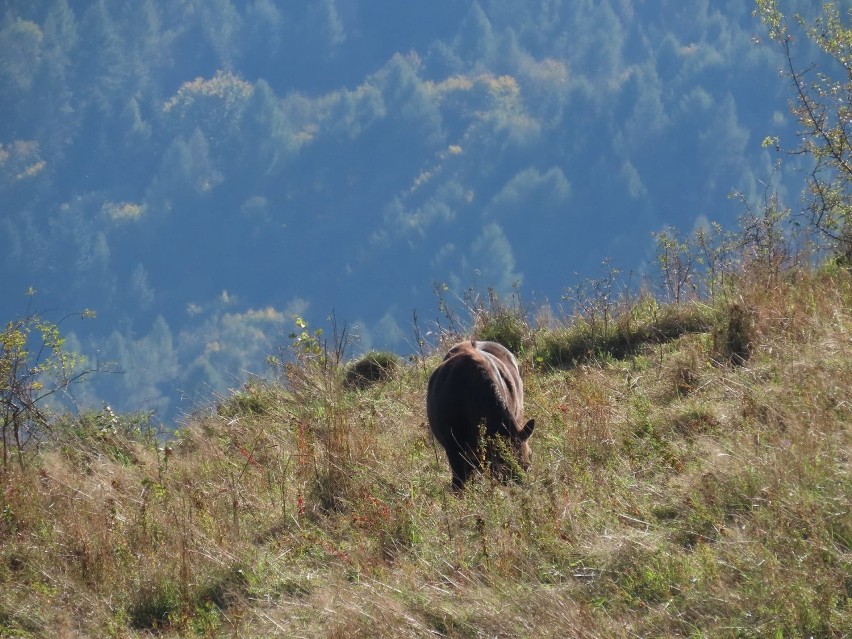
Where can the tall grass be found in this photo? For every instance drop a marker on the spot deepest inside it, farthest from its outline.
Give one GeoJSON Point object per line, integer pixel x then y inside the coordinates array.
{"type": "Point", "coordinates": [690, 478]}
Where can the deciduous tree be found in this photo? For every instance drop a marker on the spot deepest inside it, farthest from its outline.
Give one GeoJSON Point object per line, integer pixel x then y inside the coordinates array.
{"type": "Point", "coordinates": [822, 106]}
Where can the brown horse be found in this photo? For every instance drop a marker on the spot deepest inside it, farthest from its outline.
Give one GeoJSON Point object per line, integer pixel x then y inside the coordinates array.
{"type": "Point", "coordinates": [478, 384]}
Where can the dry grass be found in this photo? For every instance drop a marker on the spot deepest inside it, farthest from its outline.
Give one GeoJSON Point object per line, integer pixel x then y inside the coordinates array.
{"type": "Point", "coordinates": [673, 493]}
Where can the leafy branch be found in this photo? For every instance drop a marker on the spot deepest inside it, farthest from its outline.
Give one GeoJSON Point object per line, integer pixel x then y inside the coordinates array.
{"type": "Point", "coordinates": [822, 106]}
{"type": "Point", "coordinates": [34, 366]}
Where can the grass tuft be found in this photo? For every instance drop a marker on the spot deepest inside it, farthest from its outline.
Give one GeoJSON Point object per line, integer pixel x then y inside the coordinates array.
{"type": "Point", "coordinates": [643, 324]}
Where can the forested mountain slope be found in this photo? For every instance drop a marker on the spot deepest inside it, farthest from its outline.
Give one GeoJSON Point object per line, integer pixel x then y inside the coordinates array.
{"type": "Point", "coordinates": [198, 172]}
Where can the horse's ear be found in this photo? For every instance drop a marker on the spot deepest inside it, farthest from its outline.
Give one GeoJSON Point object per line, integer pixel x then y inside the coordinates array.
{"type": "Point", "coordinates": [527, 430]}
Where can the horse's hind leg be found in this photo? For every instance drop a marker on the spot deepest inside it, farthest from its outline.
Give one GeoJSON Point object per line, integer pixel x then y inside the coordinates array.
{"type": "Point", "coordinates": [462, 462]}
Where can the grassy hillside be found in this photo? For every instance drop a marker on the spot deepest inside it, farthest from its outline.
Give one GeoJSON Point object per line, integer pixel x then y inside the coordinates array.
{"type": "Point", "coordinates": [690, 478]}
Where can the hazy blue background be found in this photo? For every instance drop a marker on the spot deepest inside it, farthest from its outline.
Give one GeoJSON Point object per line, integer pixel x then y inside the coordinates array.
{"type": "Point", "coordinates": [198, 171]}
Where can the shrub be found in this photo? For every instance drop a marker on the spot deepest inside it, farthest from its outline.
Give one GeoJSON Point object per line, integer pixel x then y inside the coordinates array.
{"type": "Point", "coordinates": [497, 321]}
{"type": "Point", "coordinates": [371, 369]}
{"type": "Point", "coordinates": [255, 398]}
{"type": "Point", "coordinates": [733, 337]}
{"type": "Point", "coordinates": [34, 367]}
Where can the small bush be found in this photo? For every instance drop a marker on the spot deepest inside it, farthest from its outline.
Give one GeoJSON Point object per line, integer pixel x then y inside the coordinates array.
{"type": "Point", "coordinates": [734, 336]}
{"type": "Point", "coordinates": [255, 398]}
{"type": "Point", "coordinates": [681, 373]}
{"type": "Point", "coordinates": [506, 328]}
{"type": "Point", "coordinates": [371, 369]}
{"type": "Point", "coordinates": [500, 322]}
